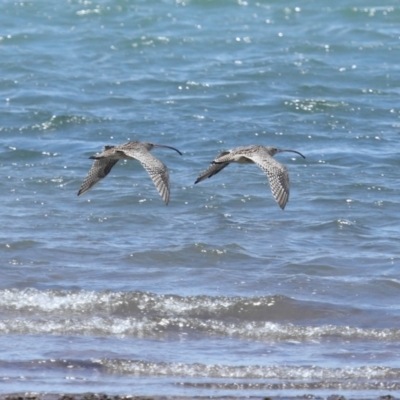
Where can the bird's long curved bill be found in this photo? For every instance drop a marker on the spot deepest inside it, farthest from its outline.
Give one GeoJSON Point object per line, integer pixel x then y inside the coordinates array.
{"type": "Point", "coordinates": [168, 147]}
{"type": "Point", "coordinates": [292, 151]}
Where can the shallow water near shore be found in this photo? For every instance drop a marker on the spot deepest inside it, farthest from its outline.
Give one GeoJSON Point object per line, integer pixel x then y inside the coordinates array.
{"type": "Point", "coordinates": [220, 293]}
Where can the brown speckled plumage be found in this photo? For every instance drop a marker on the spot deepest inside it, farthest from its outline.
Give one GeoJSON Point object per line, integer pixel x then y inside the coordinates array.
{"type": "Point", "coordinates": [262, 156]}
{"type": "Point", "coordinates": [103, 163]}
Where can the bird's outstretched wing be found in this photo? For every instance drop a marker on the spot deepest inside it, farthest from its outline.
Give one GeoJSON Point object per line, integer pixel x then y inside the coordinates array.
{"type": "Point", "coordinates": [99, 170]}
{"type": "Point", "coordinates": [156, 169]}
{"type": "Point", "coordinates": [214, 168]}
{"type": "Point", "coordinates": [278, 177]}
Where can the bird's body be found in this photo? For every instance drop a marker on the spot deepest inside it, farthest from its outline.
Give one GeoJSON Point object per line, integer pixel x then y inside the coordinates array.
{"type": "Point", "coordinates": [262, 156]}
{"type": "Point", "coordinates": [104, 161]}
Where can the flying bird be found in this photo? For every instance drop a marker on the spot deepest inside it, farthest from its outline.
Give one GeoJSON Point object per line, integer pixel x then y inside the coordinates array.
{"type": "Point", "coordinates": [276, 172]}
{"type": "Point", "coordinates": [104, 161]}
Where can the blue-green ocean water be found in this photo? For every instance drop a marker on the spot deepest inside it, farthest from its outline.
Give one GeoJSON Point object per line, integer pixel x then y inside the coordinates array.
{"type": "Point", "coordinates": [220, 292]}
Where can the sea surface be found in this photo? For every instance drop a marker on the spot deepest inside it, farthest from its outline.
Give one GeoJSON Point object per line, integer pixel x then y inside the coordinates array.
{"type": "Point", "coordinates": [220, 293]}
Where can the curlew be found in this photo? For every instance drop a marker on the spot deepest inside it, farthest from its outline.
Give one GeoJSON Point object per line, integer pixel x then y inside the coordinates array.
{"type": "Point", "coordinates": [276, 172]}
{"type": "Point", "coordinates": [104, 161]}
